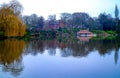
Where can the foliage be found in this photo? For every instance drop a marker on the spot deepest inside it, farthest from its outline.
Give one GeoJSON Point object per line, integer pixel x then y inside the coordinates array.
{"type": "Point", "coordinates": [117, 19]}
{"type": "Point", "coordinates": [34, 22]}
{"type": "Point", "coordinates": [118, 28]}
{"type": "Point", "coordinates": [116, 12]}
{"type": "Point", "coordinates": [10, 22]}
{"type": "Point", "coordinates": [106, 21]}
{"type": "Point", "coordinates": [66, 18]}
{"type": "Point", "coordinates": [77, 20]}
{"type": "Point", "coordinates": [64, 30]}
{"type": "Point", "coordinates": [98, 31]}
{"type": "Point", "coordinates": [1, 33]}
{"type": "Point", "coordinates": [111, 32]}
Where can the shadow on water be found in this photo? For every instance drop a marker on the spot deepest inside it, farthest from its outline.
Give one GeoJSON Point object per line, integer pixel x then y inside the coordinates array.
{"type": "Point", "coordinates": [12, 50]}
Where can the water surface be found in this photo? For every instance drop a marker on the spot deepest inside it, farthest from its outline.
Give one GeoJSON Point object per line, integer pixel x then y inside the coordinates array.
{"type": "Point", "coordinates": [59, 59]}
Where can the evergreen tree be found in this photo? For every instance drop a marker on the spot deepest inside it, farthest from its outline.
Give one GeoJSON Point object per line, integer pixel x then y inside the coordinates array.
{"type": "Point", "coordinates": [116, 12]}
{"type": "Point", "coordinates": [117, 19]}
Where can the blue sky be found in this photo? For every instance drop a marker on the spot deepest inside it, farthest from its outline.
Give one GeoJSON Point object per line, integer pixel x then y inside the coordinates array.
{"type": "Point", "coordinates": [48, 7]}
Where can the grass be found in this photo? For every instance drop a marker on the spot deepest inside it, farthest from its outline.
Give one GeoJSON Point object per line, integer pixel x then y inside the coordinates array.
{"type": "Point", "coordinates": [110, 32]}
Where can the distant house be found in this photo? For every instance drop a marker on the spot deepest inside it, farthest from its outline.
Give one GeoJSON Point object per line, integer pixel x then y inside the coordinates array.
{"type": "Point", "coordinates": [84, 33]}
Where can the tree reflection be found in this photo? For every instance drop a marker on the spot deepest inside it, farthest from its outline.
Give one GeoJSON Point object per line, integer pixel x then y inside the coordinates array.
{"type": "Point", "coordinates": [75, 48]}
{"type": "Point", "coordinates": [11, 50]}
{"type": "Point", "coordinates": [11, 55]}
{"type": "Point", "coordinates": [34, 47]}
{"type": "Point", "coordinates": [51, 46]}
{"type": "Point", "coordinates": [15, 68]}
{"type": "Point", "coordinates": [116, 57]}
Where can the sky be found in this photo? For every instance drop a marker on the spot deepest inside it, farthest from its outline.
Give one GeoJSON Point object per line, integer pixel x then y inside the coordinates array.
{"type": "Point", "coordinates": [50, 7]}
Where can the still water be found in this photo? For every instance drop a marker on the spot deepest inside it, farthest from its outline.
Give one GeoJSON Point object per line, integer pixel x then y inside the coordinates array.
{"type": "Point", "coordinates": [60, 59]}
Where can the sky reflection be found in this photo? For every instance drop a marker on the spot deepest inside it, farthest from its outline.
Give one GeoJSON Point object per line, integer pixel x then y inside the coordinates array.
{"type": "Point", "coordinates": [53, 59]}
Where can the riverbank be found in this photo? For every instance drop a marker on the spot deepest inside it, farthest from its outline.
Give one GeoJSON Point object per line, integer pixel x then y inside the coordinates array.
{"type": "Point", "coordinates": [61, 33]}
{"type": "Point", "coordinates": [104, 33]}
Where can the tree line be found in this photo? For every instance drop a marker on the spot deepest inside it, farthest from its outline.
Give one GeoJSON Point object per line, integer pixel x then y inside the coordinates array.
{"type": "Point", "coordinates": [12, 23]}
{"type": "Point", "coordinates": [79, 20]}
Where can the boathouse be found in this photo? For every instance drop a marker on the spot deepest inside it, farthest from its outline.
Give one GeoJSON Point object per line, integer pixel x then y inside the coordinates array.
{"type": "Point", "coordinates": [84, 33]}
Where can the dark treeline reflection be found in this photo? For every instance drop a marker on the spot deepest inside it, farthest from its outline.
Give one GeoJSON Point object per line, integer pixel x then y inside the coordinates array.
{"type": "Point", "coordinates": [11, 51]}
{"type": "Point", "coordinates": [73, 48]}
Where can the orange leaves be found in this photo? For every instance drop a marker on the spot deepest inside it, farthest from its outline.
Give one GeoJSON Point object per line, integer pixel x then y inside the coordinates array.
{"type": "Point", "coordinates": [11, 24]}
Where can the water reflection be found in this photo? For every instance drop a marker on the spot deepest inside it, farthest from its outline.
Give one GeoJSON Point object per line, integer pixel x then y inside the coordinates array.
{"type": "Point", "coordinates": [12, 50]}
{"type": "Point", "coordinates": [11, 55]}
{"type": "Point", "coordinates": [74, 48]}
{"type": "Point", "coordinates": [84, 38]}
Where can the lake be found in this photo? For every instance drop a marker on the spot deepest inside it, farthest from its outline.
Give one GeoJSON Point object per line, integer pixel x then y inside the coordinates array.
{"type": "Point", "coordinates": [59, 58]}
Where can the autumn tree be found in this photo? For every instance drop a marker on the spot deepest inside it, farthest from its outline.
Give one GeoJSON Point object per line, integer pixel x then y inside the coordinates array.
{"type": "Point", "coordinates": [11, 23]}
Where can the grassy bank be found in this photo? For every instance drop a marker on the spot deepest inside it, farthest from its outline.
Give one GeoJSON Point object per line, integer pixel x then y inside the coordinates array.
{"type": "Point", "coordinates": [49, 34]}
{"type": "Point", "coordinates": [104, 33]}
{"type": "Point", "coordinates": [64, 34]}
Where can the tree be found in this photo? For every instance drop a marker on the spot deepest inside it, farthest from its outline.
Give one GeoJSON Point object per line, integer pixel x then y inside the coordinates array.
{"type": "Point", "coordinates": [27, 21]}
{"type": "Point", "coordinates": [116, 12]}
{"type": "Point", "coordinates": [10, 22]}
{"type": "Point", "coordinates": [117, 19]}
{"type": "Point", "coordinates": [80, 20]}
{"type": "Point", "coordinates": [67, 19]}
{"type": "Point", "coordinates": [40, 22]}
{"type": "Point", "coordinates": [52, 22]}
{"type": "Point", "coordinates": [16, 7]}
{"type": "Point", "coordinates": [34, 19]}
{"type": "Point", "coordinates": [52, 19]}
{"type": "Point", "coordinates": [106, 21]}
{"type": "Point", "coordinates": [92, 24]}
{"type": "Point", "coordinates": [34, 22]}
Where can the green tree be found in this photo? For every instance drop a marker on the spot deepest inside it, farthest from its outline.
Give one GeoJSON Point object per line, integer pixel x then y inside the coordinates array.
{"type": "Point", "coordinates": [106, 21]}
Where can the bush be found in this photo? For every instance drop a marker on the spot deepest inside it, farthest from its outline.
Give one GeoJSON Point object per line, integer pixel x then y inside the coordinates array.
{"type": "Point", "coordinates": [111, 32]}
{"type": "Point", "coordinates": [1, 33]}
